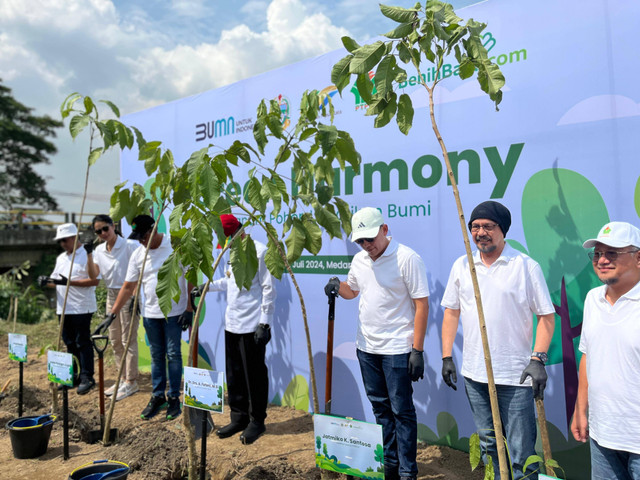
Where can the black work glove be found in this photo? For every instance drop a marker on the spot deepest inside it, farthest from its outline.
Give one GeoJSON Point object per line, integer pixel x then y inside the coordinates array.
{"type": "Point", "coordinates": [332, 287]}
{"type": "Point", "coordinates": [538, 375]}
{"type": "Point", "coordinates": [262, 335]}
{"type": "Point", "coordinates": [104, 326]}
{"type": "Point", "coordinates": [198, 291]}
{"type": "Point", "coordinates": [88, 247]}
{"type": "Point", "coordinates": [449, 374]}
{"type": "Point", "coordinates": [59, 281]}
{"type": "Point", "coordinates": [133, 302]}
{"type": "Point", "coordinates": [185, 320]}
{"type": "Point", "coordinates": [416, 365]}
{"type": "Point", "coordinates": [43, 280]}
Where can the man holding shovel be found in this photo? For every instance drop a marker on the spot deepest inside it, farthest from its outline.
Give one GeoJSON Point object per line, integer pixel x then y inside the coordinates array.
{"type": "Point", "coordinates": [607, 409]}
{"type": "Point", "coordinates": [513, 289]}
{"type": "Point", "coordinates": [247, 331]}
{"type": "Point", "coordinates": [394, 306]}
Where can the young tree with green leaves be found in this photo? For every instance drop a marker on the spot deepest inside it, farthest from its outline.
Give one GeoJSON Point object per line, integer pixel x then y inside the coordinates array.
{"type": "Point", "coordinates": [428, 34]}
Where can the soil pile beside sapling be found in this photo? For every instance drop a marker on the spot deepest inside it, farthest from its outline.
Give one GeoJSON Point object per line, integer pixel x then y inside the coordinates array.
{"type": "Point", "coordinates": [156, 449]}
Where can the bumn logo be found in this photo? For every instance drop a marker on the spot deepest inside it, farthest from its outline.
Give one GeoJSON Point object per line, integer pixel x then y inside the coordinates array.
{"type": "Point", "coordinates": [215, 128]}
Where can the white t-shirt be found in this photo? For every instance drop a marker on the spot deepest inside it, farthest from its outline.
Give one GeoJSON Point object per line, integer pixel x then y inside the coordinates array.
{"type": "Point", "coordinates": [113, 264]}
{"type": "Point", "coordinates": [513, 289]}
{"type": "Point", "coordinates": [247, 308]}
{"type": "Point", "coordinates": [80, 299]}
{"type": "Point", "coordinates": [387, 287]}
{"type": "Point", "coordinates": [611, 340]}
{"type": "Point", "coordinates": [156, 258]}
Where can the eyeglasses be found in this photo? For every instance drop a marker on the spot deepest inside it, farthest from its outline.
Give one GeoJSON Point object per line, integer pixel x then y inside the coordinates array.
{"type": "Point", "coordinates": [610, 255]}
{"type": "Point", "coordinates": [361, 241]}
{"type": "Point", "coordinates": [487, 227]}
{"type": "Point", "coordinates": [104, 229]}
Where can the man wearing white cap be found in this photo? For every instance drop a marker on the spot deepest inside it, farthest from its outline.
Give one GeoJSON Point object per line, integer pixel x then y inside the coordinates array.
{"type": "Point", "coordinates": [81, 302]}
{"type": "Point", "coordinates": [607, 409]}
{"type": "Point", "coordinates": [392, 322]}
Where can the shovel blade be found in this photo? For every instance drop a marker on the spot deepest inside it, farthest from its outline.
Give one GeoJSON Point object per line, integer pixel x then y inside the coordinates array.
{"type": "Point", "coordinates": [195, 417]}
{"type": "Point", "coordinates": [96, 436]}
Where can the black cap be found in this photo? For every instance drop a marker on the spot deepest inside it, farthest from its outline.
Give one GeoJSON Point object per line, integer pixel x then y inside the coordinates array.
{"type": "Point", "coordinates": [140, 225]}
{"type": "Point", "coordinates": [493, 211]}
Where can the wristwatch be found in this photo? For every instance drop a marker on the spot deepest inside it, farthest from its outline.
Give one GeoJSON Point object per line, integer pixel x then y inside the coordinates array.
{"type": "Point", "coordinates": [542, 356]}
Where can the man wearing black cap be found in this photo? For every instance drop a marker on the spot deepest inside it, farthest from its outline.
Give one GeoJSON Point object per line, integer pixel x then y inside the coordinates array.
{"type": "Point", "coordinates": [513, 288]}
{"type": "Point", "coordinates": [164, 332]}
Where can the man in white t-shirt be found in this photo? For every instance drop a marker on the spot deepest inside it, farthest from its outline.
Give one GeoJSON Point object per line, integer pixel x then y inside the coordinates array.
{"type": "Point", "coordinates": [392, 322]}
{"type": "Point", "coordinates": [81, 302]}
{"type": "Point", "coordinates": [247, 330]}
{"type": "Point", "coordinates": [607, 408]}
{"type": "Point", "coordinates": [513, 289]}
{"type": "Point", "coordinates": [164, 332]}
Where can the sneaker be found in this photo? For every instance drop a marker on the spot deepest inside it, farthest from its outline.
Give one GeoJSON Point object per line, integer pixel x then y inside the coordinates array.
{"type": "Point", "coordinates": [153, 407]}
{"type": "Point", "coordinates": [126, 389]}
{"type": "Point", "coordinates": [86, 385]}
{"type": "Point", "coordinates": [111, 390]}
{"type": "Point", "coordinates": [174, 408]}
{"type": "Point", "coordinates": [252, 433]}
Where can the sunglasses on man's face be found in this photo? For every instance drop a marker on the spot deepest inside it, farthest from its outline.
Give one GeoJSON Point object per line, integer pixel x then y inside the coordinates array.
{"type": "Point", "coordinates": [104, 229]}
{"type": "Point", "coordinates": [361, 241]}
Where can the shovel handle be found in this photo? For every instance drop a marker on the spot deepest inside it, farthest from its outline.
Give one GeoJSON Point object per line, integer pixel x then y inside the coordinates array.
{"type": "Point", "coordinates": [97, 338]}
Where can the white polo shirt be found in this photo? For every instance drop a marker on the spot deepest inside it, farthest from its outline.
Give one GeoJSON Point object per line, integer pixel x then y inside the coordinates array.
{"type": "Point", "coordinates": [113, 264]}
{"type": "Point", "coordinates": [611, 340]}
{"type": "Point", "coordinates": [156, 258]}
{"type": "Point", "coordinates": [513, 289]}
{"type": "Point", "coordinates": [80, 299]}
{"type": "Point", "coordinates": [247, 308]}
{"type": "Point", "coordinates": [387, 288]}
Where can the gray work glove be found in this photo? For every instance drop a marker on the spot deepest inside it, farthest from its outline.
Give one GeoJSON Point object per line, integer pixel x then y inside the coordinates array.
{"type": "Point", "coordinates": [416, 365]}
{"type": "Point", "coordinates": [332, 287]}
{"type": "Point", "coordinates": [104, 326]}
{"type": "Point", "coordinates": [88, 247]}
{"type": "Point", "coordinates": [185, 320]}
{"type": "Point", "coordinates": [59, 281]}
{"type": "Point", "coordinates": [43, 280]}
{"type": "Point", "coordinates": [449, 374]}
{"type": "Point", "coordinates": [262, 334]}
{"type": "Point", "coordinates": [538, 375]}
{"type": "Point", "coordinates": [198, 291]}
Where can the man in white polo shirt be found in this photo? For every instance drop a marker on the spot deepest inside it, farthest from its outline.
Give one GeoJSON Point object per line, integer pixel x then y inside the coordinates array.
{"type": "Point", "coordinates": [513, 289]}
{"type": "Point", "coordinates": [607, 408]}
{"type": "Point", "coordinates": [392, 322]}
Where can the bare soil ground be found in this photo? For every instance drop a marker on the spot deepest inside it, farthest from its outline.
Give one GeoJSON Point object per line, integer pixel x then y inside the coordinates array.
{"type": "Point", "coordinates": [157, 449]}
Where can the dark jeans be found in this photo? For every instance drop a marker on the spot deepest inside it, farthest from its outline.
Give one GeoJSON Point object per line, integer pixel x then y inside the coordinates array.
{"type": "Point", "coordinates": [164, 343]}
{"type": "Point", "coordinates": [388, 386]}
{"type": "Point", "coordinates": [518, 417]}
{"type": "Point", "coordinates": [609, 464]}
{"type": "Point", "coordinates": [247, 378]}
{"type": "Point", "coordinates": [76, 335]}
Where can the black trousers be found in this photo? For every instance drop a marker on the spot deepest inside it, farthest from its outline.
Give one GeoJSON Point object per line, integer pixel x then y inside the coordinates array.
{"type": "Point", "coordinates": [247, 378]}
{"type": "Point", "coordinates": [76, 335]}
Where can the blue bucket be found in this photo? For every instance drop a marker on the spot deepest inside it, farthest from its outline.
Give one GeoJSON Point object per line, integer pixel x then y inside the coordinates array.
{"type": "Point", "coordinates": [101, 469]}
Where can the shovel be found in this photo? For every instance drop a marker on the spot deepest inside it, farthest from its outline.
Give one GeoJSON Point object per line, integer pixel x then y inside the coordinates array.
{"type": "Point", "coordinates": [329, 372]}
{"type": "Point", "coordinates": [100, 343]}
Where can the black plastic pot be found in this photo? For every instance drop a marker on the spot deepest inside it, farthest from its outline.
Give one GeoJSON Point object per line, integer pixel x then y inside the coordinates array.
{"type": "Point", "coordinates": [101, 469]}
{"type": "Point", "coordinates": [30, 435]}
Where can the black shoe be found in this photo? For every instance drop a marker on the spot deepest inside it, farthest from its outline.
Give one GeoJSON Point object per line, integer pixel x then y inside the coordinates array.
{"type": "Point", "coordinates": [230, 429]}
{"type": "Point", "coordinates": [252, 432]}
{"type": "Point", "coordinates": [391, 474]}
{"type": "Point", "coordinates": [153, 407]}
{"type": "Point", "coordinates": [86, 385]}
{"type": "Point", "coordinates": [173, 411]}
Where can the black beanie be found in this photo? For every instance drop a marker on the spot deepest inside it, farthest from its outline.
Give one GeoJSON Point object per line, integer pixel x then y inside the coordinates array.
{"type": "Point", "coordinates": [493, 211]}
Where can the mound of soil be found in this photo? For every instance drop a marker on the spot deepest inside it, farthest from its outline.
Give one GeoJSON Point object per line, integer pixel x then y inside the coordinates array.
{"type": "Point", "coordinates": [157, 449]}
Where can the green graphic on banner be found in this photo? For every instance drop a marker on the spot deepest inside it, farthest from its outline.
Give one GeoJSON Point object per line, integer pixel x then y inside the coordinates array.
{"type": "Point", "coordinates": [323, 264]}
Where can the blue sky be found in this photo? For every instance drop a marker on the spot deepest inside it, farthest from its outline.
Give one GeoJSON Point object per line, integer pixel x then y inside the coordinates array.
{"type": "Point", "coordinates": [142, 53]}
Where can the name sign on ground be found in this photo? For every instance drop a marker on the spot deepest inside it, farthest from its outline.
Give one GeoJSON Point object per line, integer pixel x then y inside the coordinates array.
{"type": "Point", "coordinates": [18, 347]}
{"type": "Point", "coordinates": [203, 389]}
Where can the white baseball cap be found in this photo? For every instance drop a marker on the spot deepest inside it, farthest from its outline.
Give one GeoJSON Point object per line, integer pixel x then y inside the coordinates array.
{"type": "Point", "coordinates": [66, 230]}
{"type": "Point", "coordinates": [365, 223]}
{"type": "Point", "coordinates": [616, 235]}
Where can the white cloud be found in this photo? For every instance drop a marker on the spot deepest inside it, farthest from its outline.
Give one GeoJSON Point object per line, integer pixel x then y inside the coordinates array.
{"type": "Point", "coordinates": [600, 107]}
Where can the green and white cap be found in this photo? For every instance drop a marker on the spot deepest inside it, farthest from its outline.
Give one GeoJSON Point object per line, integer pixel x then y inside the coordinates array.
{"type": "Point", "coordinates": [616, 235]}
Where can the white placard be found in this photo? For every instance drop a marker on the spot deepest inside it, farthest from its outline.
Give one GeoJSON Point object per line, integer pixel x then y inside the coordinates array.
{"type": "Point", "coordinates": [18, 347]}
{"type": "Point", "coordinates": [60, 368]}
{"type": "Point", "coordinates": [203, 389]}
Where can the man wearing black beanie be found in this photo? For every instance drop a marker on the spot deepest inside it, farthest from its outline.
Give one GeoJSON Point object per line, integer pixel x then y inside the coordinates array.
{"type": "Point", "coordinates": [513, 289]}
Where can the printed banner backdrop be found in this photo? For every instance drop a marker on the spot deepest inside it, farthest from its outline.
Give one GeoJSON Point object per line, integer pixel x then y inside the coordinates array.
{"type": "Point", "coordinates": [561, 154]}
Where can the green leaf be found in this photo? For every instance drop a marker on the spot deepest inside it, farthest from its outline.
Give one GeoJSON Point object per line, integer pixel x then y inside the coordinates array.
{"type": "Point", "coordinates": [296, 240]}
{"type": "Point", "coordinates": [113, 108]}
{"type": "Point", "coordinates": [399, 14]}
{"type": "Point", "coordinates": [350, 44]}
{"type": "Point", "coordinates": [168, 287]}
{"type": "Point", "coordinates": [405, 113]}
{"type": "Point", "coordinates": [259, 134]}
{"type": "Point", "coordinates": [532, 459]}
{"type": "Point", "coordinates": [345, 214]}
{"type": "Point", "coordinates": [175, 218]}
{"type": "Point", "coordinates": [273, 260]}
{"type": "Point", "coordinates": [313, 234]}
{"type": "Point", "coordinates": [151, 163]}
{"type": "Point", "coordinates": [244, 261]}
{"type": "Point", "coordinates": [403, 53]}
{"type": "Point", "coordinates": [364, 86]}
{"type": "Point", "coordinates": [67, 104]}
{"type": "Point", "coordinates": [385, 75]}
{"type": "Point", "coordinates": [400, 31]}
{"type": "Point", "coordinates": [387, 114]}
{"type": "Point", "coordinates": [77, 124]}
{"type": "Point", "coordinates": [377, 105]}
{"type": "Point", "coordinates": [327, 134]}
{"type": "Point", "coordinates": [489, 473]}
{"type": "Point", "coordinates": [95, 155]}
{"type": "Point", "coordinates": [209, 186]}
{"type": "Point", "coordinates": [139, 137]}
{"type": "Point", "coordinates": [474, 450]}
{"type": "Point", "coordinates": [324, 192]}
{"type": "Point", "coordinates": [367, 57]}
{"type": "Point", "coordinates": [340, 74]}
{"type": "Point", "coordinates": [240, 149]}
{"type": "Point", "coordinates": [88, 105]}
{"type": "Point", "coordinates": [466, 68]}
{"type": "Point", "coordinates": [328, 220]}
{"type": "Point", "coordinates": [149, 149]}
{"type": "Point", "coordinates": [256, 200]}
